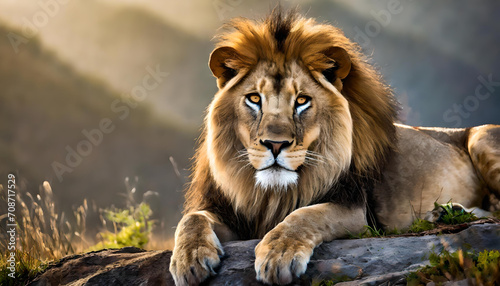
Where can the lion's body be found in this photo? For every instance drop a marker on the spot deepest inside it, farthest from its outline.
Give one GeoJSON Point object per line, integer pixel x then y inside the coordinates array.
{"type": "Point", "coordinates": [300, 147]}
{"type": "Point", "coordinates": [434, 165]}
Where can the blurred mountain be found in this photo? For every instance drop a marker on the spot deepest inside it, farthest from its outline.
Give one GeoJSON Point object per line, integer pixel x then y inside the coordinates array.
{"type": "Point", "coordinates": [117, 42]}
{"type": "Point", "coordinates": [46, 110]}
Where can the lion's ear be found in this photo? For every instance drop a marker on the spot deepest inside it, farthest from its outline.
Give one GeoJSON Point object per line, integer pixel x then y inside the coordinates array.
{"type": "Point", "coordinates": [342, 64]}
{"type": "Point", "coordinates": [219, 64]}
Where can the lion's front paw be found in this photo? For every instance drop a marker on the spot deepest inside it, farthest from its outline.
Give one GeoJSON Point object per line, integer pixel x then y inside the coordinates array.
{"type": "Point", "coordinates": [277, 261]}
{"type": "Point", "coordinates": [194, 260]}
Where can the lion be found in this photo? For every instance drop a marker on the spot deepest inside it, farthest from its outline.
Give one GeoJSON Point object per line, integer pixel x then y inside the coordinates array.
{"type": "Point", "coordinates": [301, 146]}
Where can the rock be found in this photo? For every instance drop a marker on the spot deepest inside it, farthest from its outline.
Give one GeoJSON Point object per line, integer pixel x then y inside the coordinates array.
{"type": "Point", "coordinates": [126, 266]}
{"type": "Point", "coordinates": [372, 261]}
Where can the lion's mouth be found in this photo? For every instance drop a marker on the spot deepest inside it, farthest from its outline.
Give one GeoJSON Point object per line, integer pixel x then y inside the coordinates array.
{"type": "Point", "coordinates": [275, 166]}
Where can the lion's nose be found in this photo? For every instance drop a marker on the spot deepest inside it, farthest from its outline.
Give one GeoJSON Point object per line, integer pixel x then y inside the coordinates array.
{"type": "Point", "coordinates": [276, 146]}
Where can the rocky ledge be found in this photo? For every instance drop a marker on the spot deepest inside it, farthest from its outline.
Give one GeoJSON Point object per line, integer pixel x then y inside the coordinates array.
{"type": "Point", "coordinates": [370, 261]}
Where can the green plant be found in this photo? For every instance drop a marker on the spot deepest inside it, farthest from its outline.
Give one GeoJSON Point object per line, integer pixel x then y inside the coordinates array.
{"type": "Point", "coordinates": [420, 225]}
{"type": "Point", "coordinates": [445, 266]}
{"type": "Point", "coordinates": [373, 232]}
{"type": "Point", "coordinates": [132, 227]}
{"type": "Point", "coordinates": [454, 214]}
{"type": "Point", "coordinates": [496, 214]}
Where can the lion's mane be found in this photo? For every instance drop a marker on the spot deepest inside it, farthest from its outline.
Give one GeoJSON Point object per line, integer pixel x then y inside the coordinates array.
{"type": "Point", "coordinates": [252, 212]}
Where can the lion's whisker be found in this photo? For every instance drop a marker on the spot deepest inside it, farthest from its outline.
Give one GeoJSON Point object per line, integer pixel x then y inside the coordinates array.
{"type": "Point", "coordinates": [319, 160]}
{"type": "Point", "coordinates": [242, 153]}
{"type": "Point", "coordinates": [315, 158]}
{"type": "Point", "coordinates": [311, 153]}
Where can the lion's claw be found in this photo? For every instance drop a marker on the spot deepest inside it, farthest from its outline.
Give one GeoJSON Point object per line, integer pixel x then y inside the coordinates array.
{"type": "Point", "coordinates": [278, 263]}
{"type": "Point", "coordinates": [192, 263]}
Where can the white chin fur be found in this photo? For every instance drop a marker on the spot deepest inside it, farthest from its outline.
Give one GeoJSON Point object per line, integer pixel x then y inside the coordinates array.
{"type": "Point", "coordinates": [276, 178]}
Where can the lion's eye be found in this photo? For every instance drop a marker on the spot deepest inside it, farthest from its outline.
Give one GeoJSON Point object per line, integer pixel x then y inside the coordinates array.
{"type": "Point", "coordinates": [302, 103]}
{"type": "Point", "coordinates": [253, 101]}
{"type": "Point", "coordinates": [302, 100]}
{"type": "Point", "coordinates": [254, 98]}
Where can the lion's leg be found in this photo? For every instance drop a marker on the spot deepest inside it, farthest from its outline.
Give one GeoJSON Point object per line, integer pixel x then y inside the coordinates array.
{"type": "Point", "coordinates": [197, 249]}
{"type": "Point", "coordinates": [484, 150]}
{"type": "Point", "coordinates": [285, 251]}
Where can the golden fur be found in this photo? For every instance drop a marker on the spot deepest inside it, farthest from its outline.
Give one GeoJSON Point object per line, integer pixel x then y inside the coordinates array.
{"type": "Point", "coordinates": [299, 147]}
{"type": "Point", "coordinates": [370, 105]}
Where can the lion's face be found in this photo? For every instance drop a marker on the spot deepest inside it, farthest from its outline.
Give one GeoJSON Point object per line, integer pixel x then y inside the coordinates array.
{"type": "Point", "coordinates": [278, 124]}
{"type": "Point", "coordinates": [286, 121]}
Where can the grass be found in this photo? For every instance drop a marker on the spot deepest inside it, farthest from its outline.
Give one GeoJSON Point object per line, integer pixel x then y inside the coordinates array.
{"type": "Point", "coordinates": [450, 214]}
{"type": "Point", "coordinates": [454, 215]}
{"type": "Point", "coordinates": [42, 233]}
{"type": "Point", "coordinates": [45, 235]}
{"type": "Point", "coordinates": [420, 225]}
{"type": "Point", "coordinates": [26, 268]}
{"type": "Point", "coordinates": [480, 269]}
{"type": "Point", "coordinates": [497, 214]}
